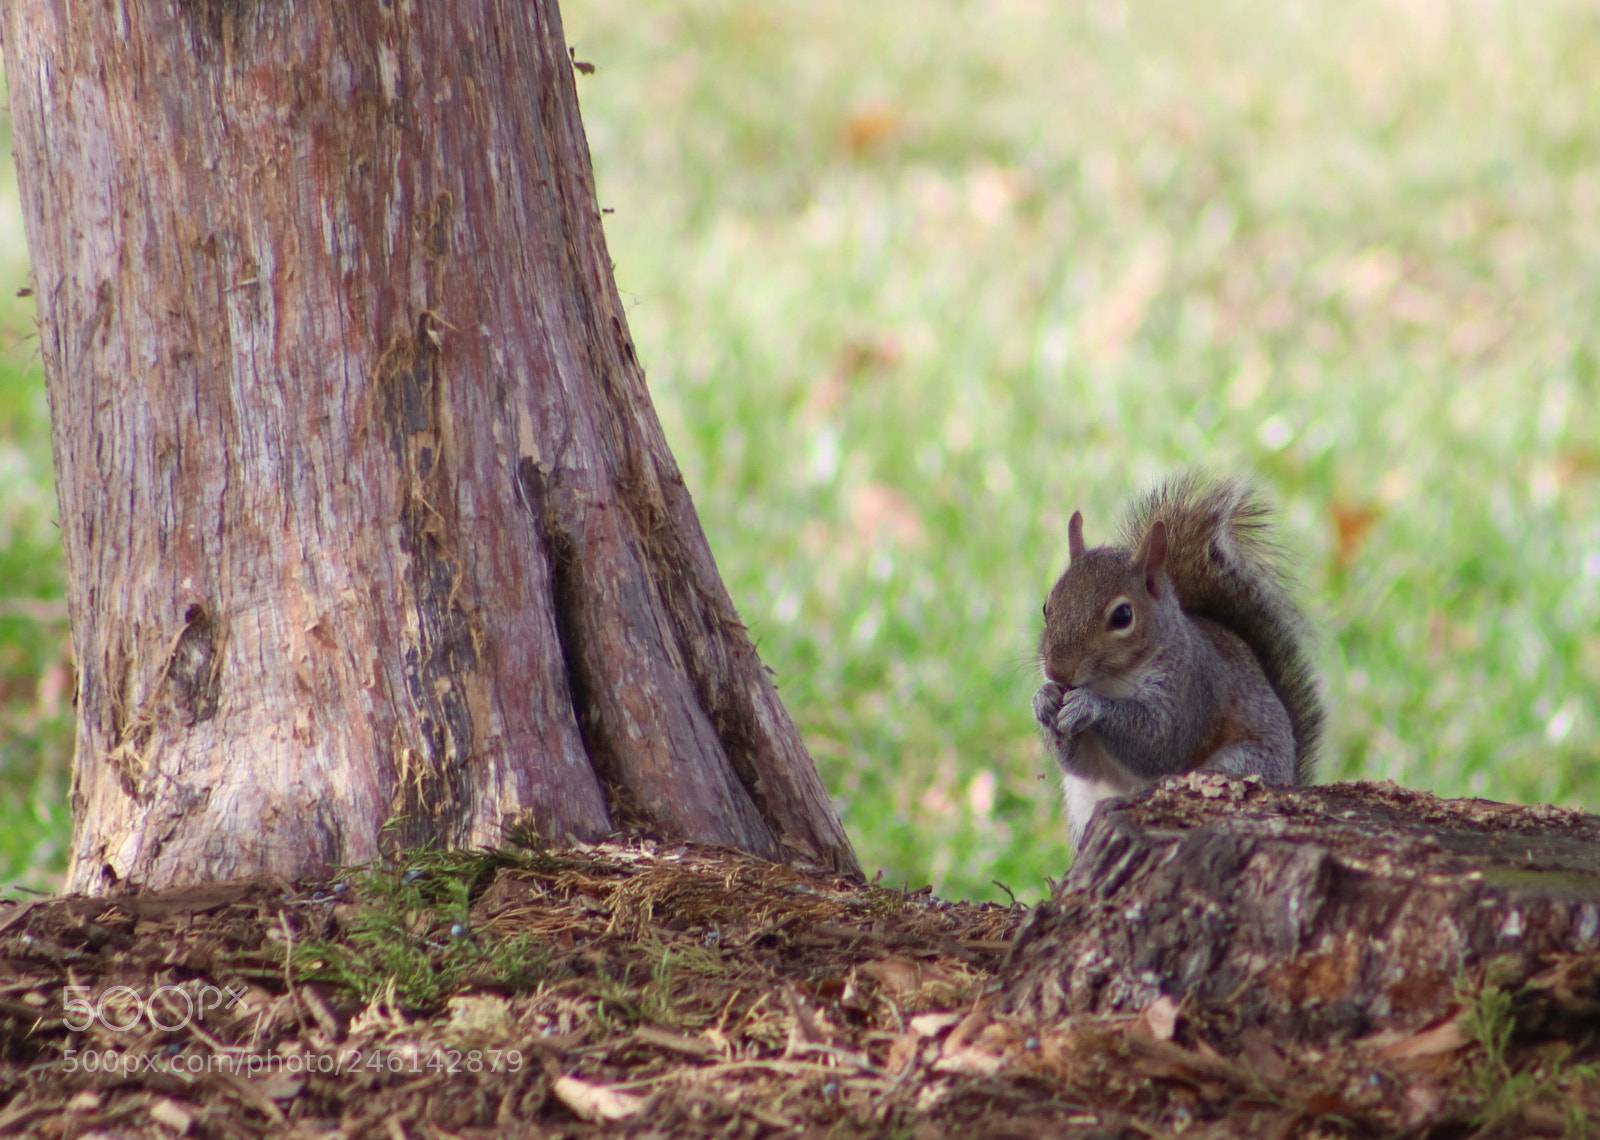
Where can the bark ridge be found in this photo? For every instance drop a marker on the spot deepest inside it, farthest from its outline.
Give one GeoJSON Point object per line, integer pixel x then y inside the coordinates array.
{"type": "Point", "coordinates": [1323, 912]}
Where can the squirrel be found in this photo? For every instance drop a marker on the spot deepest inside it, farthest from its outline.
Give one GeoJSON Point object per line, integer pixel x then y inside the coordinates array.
{"type": "Point", "coordinates": [1178, 650]}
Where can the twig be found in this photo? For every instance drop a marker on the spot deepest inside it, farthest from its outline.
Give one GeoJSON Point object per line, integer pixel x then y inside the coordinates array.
{"type": "Point", "coordinates": [288, 969]}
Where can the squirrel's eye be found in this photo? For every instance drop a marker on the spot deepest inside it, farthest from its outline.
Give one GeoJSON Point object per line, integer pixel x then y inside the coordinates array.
{"type": "Point", "coordinates": [1046, 609]}
{"type": "Point", "coordinates": [1121, 617]}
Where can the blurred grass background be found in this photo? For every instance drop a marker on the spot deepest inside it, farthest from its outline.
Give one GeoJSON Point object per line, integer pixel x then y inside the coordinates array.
{"type": "Point", "coordinates": [36, 679]}
{"type": "Point", "coordinates": [912, 281]}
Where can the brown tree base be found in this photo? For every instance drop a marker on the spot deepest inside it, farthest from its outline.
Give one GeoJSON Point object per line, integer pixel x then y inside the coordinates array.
{"type": "Point", "coordinates": [1319, 913]}
{"type": "Point", "coordinates": [373, 538]}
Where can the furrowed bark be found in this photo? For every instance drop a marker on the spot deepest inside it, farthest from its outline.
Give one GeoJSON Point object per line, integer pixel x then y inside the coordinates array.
{"type": "Point", "coordinates": [1318, 913]}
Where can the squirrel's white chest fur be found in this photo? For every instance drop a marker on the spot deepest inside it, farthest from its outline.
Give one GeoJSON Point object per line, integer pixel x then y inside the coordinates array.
{"type": "Point", "coordinates": [1080, 794]}
{"type": "Point", "coordinates": [1103, 777]}
{"type": "Point", "coordinates": [1080, 797]}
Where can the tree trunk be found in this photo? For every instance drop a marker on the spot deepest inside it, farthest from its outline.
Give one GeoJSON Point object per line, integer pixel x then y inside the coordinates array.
{"type": "Point", "coordinates": [1320, 913]}
{"type": "Point", "coordinates": [369, 523]}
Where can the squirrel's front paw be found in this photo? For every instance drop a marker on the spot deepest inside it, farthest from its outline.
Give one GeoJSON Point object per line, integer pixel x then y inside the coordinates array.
{"type": "Point", "coordinates": [1079, 709]}
{"type": "Point", "coordinates": [1046, 704]}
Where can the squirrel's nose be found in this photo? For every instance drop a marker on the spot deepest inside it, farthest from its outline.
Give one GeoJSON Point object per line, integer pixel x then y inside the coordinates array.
{"type": "Point", "coordinates": [1068, 677]}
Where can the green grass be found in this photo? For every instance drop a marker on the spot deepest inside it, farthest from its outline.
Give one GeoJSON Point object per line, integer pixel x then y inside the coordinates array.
{"type": "Point", "coordinates": [913, 281]}
{"type": "Point", "coordinates": [411, 937]}
{"type": "Point", "coordinates": [1506, 1086]}
{"type": "Point", "coordinates": [36, 680]}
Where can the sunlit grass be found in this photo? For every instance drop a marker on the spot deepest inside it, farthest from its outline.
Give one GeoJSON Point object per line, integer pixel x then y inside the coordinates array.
{"type": "Point", "coordinates": [913, 281]}
{"type": "Point", "coordinates": [35, 649]}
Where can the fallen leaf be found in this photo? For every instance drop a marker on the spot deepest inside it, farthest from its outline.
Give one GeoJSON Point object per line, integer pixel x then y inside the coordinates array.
{"type": "Point", "coordinates": [964, 1052]}
{"type": "Point", "coordinates": [902, 1053]}
{"type": "Point", "coordinates": [1262, 1055]}
{"type": "Point", "coordinates": [596, 1103]}
{"type": "Point", "coordinates": [903, 976]}
{"type": "Point", "coordinates": [1351, 524]}
{"type": "Point", "coordinates": [1330, 1104]}
{"type": "Point", "coordinates": [172, 1114]}
{"type": "Point", "coordinates": [869, 128]}
{"type": "Point", "coordinates": [677, 1042]}
{"type": "Point", "coordinates": [1160, 1018]}
{"type": "Point", "coordinates": [968, 1028]}
{"type": "Point", "coordinates": [933, 1024]}
{"type": "Point", "coordinates": [984, 1053]}
{"type": "Point", "coordinates": [975, 1062]}
{"type": "Point", "coordinates": [1445, 1037]}
{"type": "Point", "coordinates": [277, 1086]}
{"type": "Point", "coordinates": [1169, 1059]}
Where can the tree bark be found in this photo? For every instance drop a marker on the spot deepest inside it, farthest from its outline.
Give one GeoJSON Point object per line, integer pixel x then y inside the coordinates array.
{"type": "Point", "coordinates": [1320, 913]}
{"type": "Point", "coordinates": [369, 522]}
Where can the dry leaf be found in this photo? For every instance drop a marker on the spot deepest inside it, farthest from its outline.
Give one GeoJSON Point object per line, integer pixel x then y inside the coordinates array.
{"type": "Point", "coordinates": [902, 1053]}
{"type": "Point", "coordinates": [277, 1086]}
{"type": "Point", "coordinates": [976, 1062]}
{"type": "Point", "coordinates": [1573, 982]}
{"type": "Point", "coordinates": [1351, 524]}
{"type": "Point", "coordinates": [1262, 1055]}
{"type": "Point", "coordinates": [1445, 1037]}
{"type": "Point", "coordinates": [677, 1042]}
{"type": "Point", "coordinates": [897, 975]}
{"type": "Point", "coordinates": [933, 1024]}
{"type": "Point", "coordinates": [869, 128]}
{"type": "Point", "coordinates": [980, 1046]}
{"type": "Point", "coordinates": [596, 1103]}
{"type": "Point", "coordinates": [1169, 1059]}
{"type": "Point", "coordinates": [1330, 1104]}
{"type": "Point", "coordinates": [963, 1052]}
{"type": "Point", "coordinates": [1160, 1018]}
{"type": "Point", "coordinates": [969, 1028]}
{"type": "Point", "coordinates": [172, 1114]}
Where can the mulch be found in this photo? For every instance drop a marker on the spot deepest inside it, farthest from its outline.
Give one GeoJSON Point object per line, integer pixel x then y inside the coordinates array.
{"type": "Point", "coordinates": [646, 989]}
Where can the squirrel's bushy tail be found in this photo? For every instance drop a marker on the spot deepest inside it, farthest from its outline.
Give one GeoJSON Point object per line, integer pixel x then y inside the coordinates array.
{"type": "Point", "coordinates": [1226, 566]}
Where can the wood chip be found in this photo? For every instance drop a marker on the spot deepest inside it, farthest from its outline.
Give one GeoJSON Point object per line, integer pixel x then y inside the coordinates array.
{"type": "Point", "coordinates": [596, 1103]}
{"type": "Point", "coordinates": [933, 1024]}
{"type": "Point", "coordinates": [1160, 1018]}
{"type": "Point", "coordinates": [1445, 1037]}
{"type": "Point", "coordinates": [677, 1042]}
{"type": "Point", "coordinates": [172, 1114]}
{"type": "Point", "coordinates": [895, 974]}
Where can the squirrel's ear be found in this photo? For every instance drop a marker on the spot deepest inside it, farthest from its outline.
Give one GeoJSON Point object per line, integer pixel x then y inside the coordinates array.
{"type": "Point", "coordinates": [1075, 545]}
{"type": "Point", "coordinates": [1153, 556]}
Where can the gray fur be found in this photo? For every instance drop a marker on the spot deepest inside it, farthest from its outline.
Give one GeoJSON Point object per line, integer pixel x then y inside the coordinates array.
{"type": "Point", "coordinates": [1212, 673]}
{"type": "Point", "coordinates": [1227, 566]}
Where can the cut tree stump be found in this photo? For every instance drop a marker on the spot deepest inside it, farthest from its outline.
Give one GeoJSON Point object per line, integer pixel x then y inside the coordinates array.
{"type": "Point", "coordinates": [1320, 913]}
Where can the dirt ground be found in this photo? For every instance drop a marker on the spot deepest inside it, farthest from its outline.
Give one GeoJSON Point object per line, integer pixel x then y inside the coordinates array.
{"type": "Point", "coordinates": [645, 989]}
